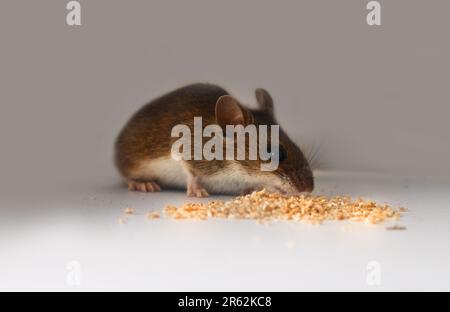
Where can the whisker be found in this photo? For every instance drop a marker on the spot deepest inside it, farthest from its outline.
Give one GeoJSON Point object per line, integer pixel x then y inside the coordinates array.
{"type": "Point", "coordinates": [311, 150]}
{"type": "Point", "coordinates": [313, 156]}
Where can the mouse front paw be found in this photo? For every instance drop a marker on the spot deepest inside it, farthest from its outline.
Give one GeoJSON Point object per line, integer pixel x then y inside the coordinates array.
{"type": "Point", "coordinates": [194, 189]}
{"type": "Point", "coordinates": [197, 192]}
{"type": "Point", "coordinates": [147, 187]}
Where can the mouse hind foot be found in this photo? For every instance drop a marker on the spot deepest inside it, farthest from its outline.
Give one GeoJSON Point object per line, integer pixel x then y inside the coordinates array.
{"type": "Point", "coordinates": [140, 186]}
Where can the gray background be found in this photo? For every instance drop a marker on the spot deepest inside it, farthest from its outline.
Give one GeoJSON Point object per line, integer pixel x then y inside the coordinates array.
{"type": "Point", "coordinates": [368, 98]}
{"type": "Point", "coordinates": [371, 100]}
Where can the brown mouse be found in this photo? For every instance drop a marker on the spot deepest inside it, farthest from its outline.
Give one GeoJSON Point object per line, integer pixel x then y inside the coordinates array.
{"type": "Point", "coordinates": [143, 147]}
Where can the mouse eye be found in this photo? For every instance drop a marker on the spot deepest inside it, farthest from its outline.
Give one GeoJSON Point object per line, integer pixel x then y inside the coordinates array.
{"type": "Point", "coordinates": [282, 154]}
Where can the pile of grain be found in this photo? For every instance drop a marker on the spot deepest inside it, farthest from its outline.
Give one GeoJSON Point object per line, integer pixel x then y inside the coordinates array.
{"type": "Point", "coordinates": [265, 206]}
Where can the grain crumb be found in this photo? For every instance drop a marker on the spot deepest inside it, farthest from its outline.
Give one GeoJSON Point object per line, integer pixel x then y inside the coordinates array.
{"type": "Point", "coordinates": [153, 215]}
{"type": "Point", "coordinates": [128, 211]}
{"type": "Point", "coordinates": [264, 206]}
{"type": "Point", "coordinates": [396, 228]}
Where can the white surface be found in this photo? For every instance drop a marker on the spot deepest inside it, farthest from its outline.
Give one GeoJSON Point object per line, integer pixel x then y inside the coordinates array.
{"type": "Point", "coordinates": [39, 238]}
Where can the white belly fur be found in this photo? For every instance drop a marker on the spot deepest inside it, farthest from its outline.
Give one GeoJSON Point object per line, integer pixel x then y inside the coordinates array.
{"type": "Point", "coordinates": [171, 173]}
{"type": "Point", "coordinates": [166, 171]}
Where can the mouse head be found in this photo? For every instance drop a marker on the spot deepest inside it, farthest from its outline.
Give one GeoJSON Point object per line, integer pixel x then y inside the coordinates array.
{"type": "Point", "coordinates": [293, 173]}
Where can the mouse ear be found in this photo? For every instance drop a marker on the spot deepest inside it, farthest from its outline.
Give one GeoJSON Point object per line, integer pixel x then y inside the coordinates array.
{"type": "Point", "coordinates": [230, 112]}
{"type": "Point", "coordinates": [264, 100]}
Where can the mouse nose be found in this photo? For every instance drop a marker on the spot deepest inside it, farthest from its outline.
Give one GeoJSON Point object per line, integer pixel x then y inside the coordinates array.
{"type": "Point", "coordinates": [308, 183]}
{"type": "Point", "coordinates": [308, 189]}
{"type": "Point", "coordinates": [303, 183]}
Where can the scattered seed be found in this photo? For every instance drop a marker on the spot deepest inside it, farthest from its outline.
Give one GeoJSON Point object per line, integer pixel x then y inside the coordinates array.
{"type": "Point", "coordinates": [265, 206]}
{"type": "Point", "coordinates": [396, 228]}
{"type": "Point", "coordinates": [153, 215]}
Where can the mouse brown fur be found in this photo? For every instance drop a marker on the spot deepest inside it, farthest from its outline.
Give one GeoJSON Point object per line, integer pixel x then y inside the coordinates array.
{"type": "Point", "coordinates": [143, 147]}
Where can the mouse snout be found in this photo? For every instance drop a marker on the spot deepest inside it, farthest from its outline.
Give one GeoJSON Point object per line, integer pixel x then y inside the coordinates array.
{"type": "Point", "coordinates": [303, 182]}
{"type": "Point", "coordinates": [308, 183]}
